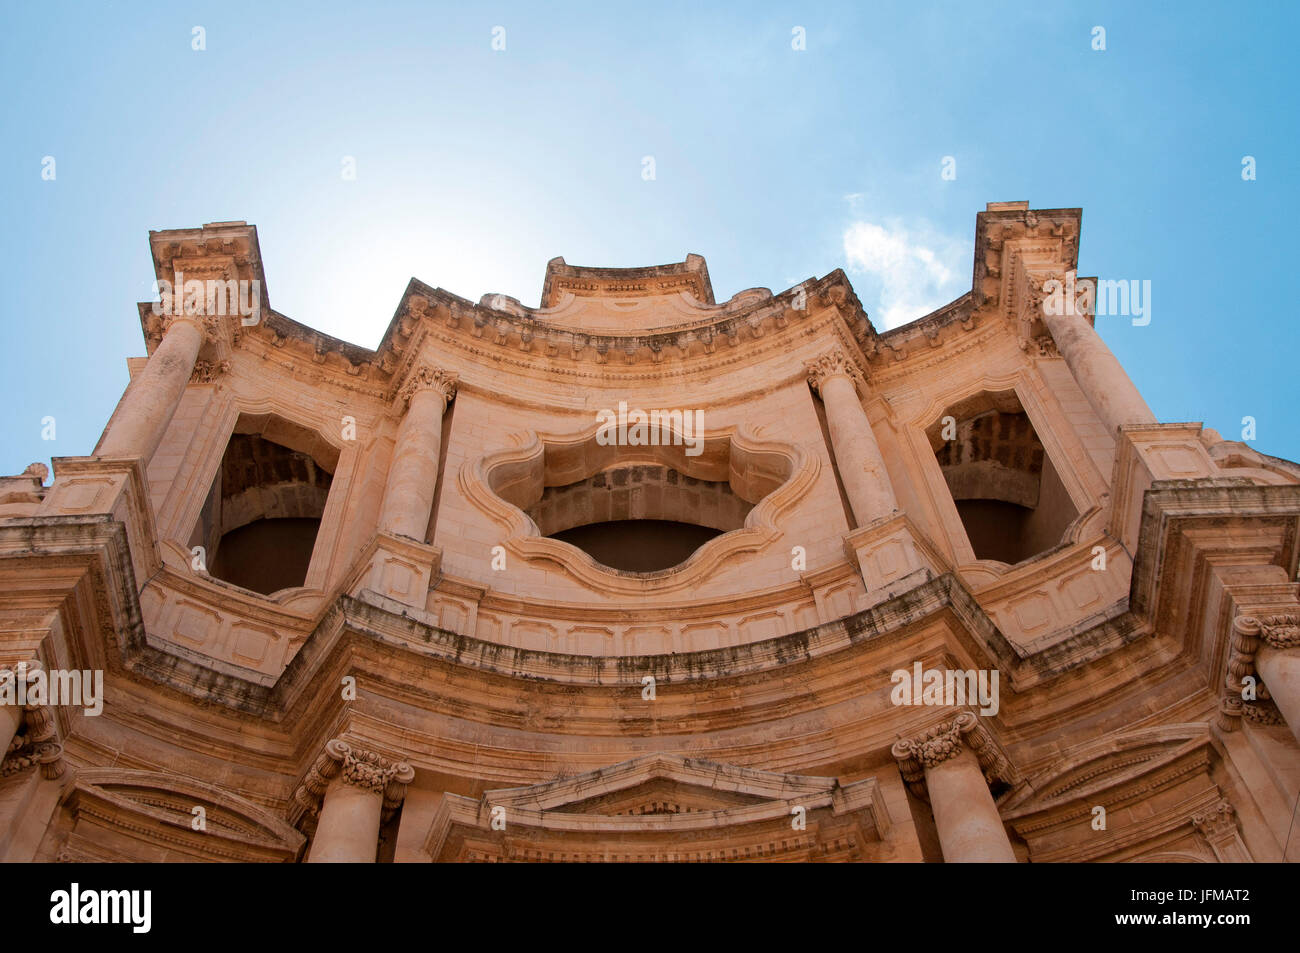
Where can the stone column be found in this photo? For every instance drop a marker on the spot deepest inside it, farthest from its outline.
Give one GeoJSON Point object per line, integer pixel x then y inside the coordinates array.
{"type": "Point", "coordinates": [1099, 375]}
{"type": "Point", "coordinates": [857, 455]}
{"type": "Point", "coordinates": [943, 764]}
{"type": "Point", "coordinates": [1277, 661]}
{"type": "Point", "coordinates": [152, 397]}
{"type": "Point", "coordinates": [11, 713]}
{"type": "Point", "coordinates": [358, 787]}
{"type": "Point", "coordinates": [413, 473]}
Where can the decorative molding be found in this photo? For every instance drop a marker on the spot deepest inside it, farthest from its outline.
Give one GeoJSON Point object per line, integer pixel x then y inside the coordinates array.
{"type": "Point", "coordinates": [1280, 631]}
{"type": "Point", "coordinates": [205, 372]}
{"type": "Point", "coordinates": [524, 539]}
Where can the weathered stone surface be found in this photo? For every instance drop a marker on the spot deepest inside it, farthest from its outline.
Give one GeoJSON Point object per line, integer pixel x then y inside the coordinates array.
{"type": "Point", "coordinates": [452, 677]}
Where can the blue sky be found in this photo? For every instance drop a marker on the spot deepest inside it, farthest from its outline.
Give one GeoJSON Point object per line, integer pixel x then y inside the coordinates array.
{"type": "Point", "coordinates": [474, 166]}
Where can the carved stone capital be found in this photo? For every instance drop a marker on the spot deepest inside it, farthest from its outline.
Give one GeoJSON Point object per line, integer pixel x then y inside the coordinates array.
{"type": "Point", "coordinates": [946, 740]}
{"type": "Point", "coordinates": [834, 363]}
{"type": "Point", "coordinates": [37, 742]}
{"type": "Point", "coordinates": [937, 745]}
{"type": "Point", "coordinates": [1243, 643]}
{"type": "Point", "coordinates": [207, 324]}
{"type": "Point", "coordinates": [1217, 823]}
{"type": "Point", "coordinates": [368, 770]}
{"type": "Point", "coordinates": [427, 377]}
{"type": "Point", "coordinates": [357, 767]}
{"type": "Point", "coordinates": [205, 372]}
{"type": "Point", "coordinates": [1262, 712]}
{"type": "Point", "coordinates": [1280, 631]}
{"type": "Point", "coordinates": [47, 755]}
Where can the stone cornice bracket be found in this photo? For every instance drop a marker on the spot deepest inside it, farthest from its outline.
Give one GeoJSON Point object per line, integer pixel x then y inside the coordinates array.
{"type": "Point", "coordinates": [834, 363]}
{"type": "Point", "coordinates": [358, 767]}
{"type": "Point", "coordinates": [944, 741]}
{"type": "Point", "coordinates": [427, 377]}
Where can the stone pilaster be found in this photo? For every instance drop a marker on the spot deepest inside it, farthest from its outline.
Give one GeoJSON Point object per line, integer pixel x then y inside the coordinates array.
{"type": "Point", "coordinates": [349, 791]}
{"type": "Point", "coordinates": [945, 764]}
{"type": "Point", "coordinates": [1219, 828]}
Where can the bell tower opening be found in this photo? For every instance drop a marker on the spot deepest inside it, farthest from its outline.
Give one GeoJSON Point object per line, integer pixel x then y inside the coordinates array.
{"type": "Point", "coordinates": [263, 511]}
{"type": "Point", "coordinates": [1008, 493]}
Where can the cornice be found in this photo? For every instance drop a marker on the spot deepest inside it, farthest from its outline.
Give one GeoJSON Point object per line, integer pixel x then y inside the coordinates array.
{"type": "Point", "coordinates": [501, 331]}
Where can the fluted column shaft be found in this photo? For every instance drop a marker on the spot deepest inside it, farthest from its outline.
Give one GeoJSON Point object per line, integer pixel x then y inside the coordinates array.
{"type": "Point", "coordinates": [413, 473]}
{"type": "Point", "coordinates": [1096, 370]}
{"type": "Point", "coordinates": [152, 397]}
{"type": "Point", "coordinates": [857, 455]}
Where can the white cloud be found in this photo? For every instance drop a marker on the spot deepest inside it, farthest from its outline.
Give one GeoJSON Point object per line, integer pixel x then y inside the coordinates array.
{"type": "Point", "coordinates": [910, 274]}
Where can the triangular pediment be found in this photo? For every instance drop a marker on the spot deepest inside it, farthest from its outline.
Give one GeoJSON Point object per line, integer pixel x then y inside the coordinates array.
{"type": "Point", "coordinates": [664, 807]}
{"type": "Point", "coordinates": [662, 784]}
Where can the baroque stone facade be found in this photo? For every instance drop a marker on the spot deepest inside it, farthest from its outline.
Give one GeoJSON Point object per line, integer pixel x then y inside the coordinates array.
{"type": "Point", "coordinates": [637, 575]}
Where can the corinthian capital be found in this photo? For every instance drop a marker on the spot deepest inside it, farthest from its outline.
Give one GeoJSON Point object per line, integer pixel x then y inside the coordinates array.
{"type": "Point", "coordinates": [834, 363]}
{"type": "Point", "coordinates": [208, 325]}
{"type": "Point", "coordinates": [946, 740]}
{"type": "Point", "coordinates": [937, 745]}
{"type": "Point", "coordinates": [427, 377]}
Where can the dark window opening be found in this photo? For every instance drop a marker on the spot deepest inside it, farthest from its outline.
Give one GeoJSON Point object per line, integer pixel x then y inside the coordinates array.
{"type": "Point", "coordinates": [643, 509]}
{"type": "Point", "coordinates": [639, 517]}
{"type": "Point", "coordinates": [638, 545]}
{"type": "Point", "coordinates": [261, 517]}
{"type": "Point", "coordinates": [1012, 502]}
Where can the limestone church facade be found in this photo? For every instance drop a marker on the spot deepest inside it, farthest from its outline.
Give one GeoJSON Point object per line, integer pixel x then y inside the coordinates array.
{"type": "Point", "coordinates": [638, 575]}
